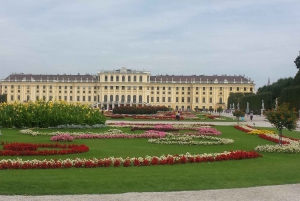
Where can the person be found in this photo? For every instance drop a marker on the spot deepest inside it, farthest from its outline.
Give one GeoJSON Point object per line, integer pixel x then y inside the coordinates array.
{"type": "Point", "coordinates": [251, 116]}
{"type": "Point", "coordinates": [178, 115]}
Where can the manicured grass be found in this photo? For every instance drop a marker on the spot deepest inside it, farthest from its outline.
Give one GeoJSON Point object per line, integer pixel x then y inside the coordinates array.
{"type": "Point", "coordinates": [271, 169]}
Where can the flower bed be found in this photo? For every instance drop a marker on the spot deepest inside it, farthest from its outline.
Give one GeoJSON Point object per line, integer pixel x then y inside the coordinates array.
{"type": "Point", "coordinates": [152, 125]}
{"type": "Point", "coordinates": [126, 162]}
{"type": "Point", "coordinates": [29, 149]}
{"type": "Point", "coordinates": [147, 134]}
{"type": "Point", "coordinates": [188, 140]}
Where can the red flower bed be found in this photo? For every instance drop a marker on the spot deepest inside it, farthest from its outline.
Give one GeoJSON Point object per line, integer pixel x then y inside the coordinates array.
{"type": "Point", "coordinates": [29, 149]}
{"type": "Point", "coordinates": [117, 116]}
{"type": "Point", "coordinates": [264, 136]}
{"type": "Point", "coordinates": [242, 128]}
{"type": "Point", "coordinates": [108, 162]}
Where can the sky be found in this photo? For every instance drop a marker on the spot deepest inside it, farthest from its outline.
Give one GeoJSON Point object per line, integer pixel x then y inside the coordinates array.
{"type": "Point", "coordinates": [257, 39]}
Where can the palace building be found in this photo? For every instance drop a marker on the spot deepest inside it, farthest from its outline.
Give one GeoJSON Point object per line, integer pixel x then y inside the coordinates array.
{"type": "Point", "coordinates": [114, 88]}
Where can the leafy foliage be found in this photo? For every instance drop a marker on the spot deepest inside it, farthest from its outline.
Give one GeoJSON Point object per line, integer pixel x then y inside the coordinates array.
{"type": "Point", "coordinates": [283, 117]}
{"type": "Point", "coordinates": [44, 114]}
{"type": "Point", "coordinates": [276, 87]}
{"type": "Point", "coordinates": [297, 62]}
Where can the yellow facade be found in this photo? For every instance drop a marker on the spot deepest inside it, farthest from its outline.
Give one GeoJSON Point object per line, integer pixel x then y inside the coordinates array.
{"type": "Point", "coordinates": [109, 89]}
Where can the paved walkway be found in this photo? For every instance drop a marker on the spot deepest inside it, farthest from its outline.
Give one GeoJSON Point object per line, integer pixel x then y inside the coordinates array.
{"type": "Point", "coordinates": [258, 121]}
{"type": "Point", "coordinates": [260, 193]}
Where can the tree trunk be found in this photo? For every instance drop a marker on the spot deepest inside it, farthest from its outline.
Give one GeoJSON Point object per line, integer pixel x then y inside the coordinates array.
{"type": "Point", "coordinates": [280, 137]}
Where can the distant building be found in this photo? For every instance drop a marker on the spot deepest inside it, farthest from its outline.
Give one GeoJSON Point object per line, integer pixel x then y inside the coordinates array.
{"type": "Point", "coordinates": [109, 89]}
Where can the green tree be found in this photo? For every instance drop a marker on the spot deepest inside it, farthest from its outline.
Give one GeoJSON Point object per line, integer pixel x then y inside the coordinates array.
{"type": "Point", "coordinates": [219, 110]}
{"type": "Point", "coordinates": [282, 118]}
{"type": "Point", "coordinates": [297, 62]}
{"type": "Point", "coordinates": [238, 114]}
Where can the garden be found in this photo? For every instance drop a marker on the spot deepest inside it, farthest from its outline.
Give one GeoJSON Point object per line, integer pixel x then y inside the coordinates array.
{"type": "Point", "coordinates": [143, 157]}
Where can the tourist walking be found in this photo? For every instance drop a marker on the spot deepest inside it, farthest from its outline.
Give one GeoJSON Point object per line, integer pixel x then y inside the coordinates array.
{"type": "Point", "coordinates": [178, 115]}
{"type": "Point", "coordinates": [251, 116]}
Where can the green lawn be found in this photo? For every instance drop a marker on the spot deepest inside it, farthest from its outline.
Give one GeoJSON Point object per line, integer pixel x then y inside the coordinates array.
{"type": "Point", "coordinates": [271, 169]}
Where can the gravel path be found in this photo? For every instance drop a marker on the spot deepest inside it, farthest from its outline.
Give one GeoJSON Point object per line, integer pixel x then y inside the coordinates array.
{"type": "Point", "coordinates": [263, 193]}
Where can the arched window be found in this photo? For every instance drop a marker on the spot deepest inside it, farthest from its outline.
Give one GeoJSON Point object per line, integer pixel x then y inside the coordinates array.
{"type": "Point", "coordinates": [28, 98]}
{"type": "Point", "coordinates": [128, 98]}
{"type": "Point", "coordinates": [148, 99]}
{"type": "Point", "coordinates": [220, 100]}
{"type": "Point", "coordinates": [117, 97]}
{"type": "Point", "coordinates": [105, 78]}
{"type": "Point", "coordinates": [129, 78]}
{"type": "Point", "coordinates": [141, 79]}
{"type": "Point", "coordinates": [105, 98]}
{"type": "Point", "coordinates": [134, 78]}
{"type": "Point", "coordinates": [123, 78]}
{"type": "Point", "coordinates": [111, 78]}
{"type": "Point", "coordinates": [122, 98]}
{"type": "Point", "coordinates": [111, 98]}
{"type": "Point", "coordinates": [134, 98]}
{"type": "Point", "coordinates": [117, 78]}
{"type": "Point", "coordinates": [140, 98]}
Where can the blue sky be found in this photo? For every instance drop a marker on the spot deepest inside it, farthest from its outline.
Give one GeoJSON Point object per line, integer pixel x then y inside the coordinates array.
{"type": "Point", "coordinates": [258, 39]}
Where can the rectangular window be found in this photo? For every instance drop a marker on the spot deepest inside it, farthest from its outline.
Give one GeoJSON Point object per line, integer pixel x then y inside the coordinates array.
{"type": "Point", "coordinates": [164, 99]}
{"type": "Point", "coordinates": [123, 87]}
{"type": "Point", "coordinates": [111, 87]}
{"type": "Point", "coordinates": [197, 99]}
{"type": "Point", "coordinates": [182, 99]}
{"type": "Point", "coordinates": [188, 99]}
{"type": "Point", "coordinates": [245, 89]}
{"type": "Point", "coordinates": [157, 88]}
{"type": "Point", "coordinates": [203, 88]}
{"type": "Point", "coordinates": [177, 100]}
{"type": "Point", "coordinates": [117, 87]}
{"type": "Point", "coordinates": [203, 100]}
{"type": "Point", "coordinates": [189, 88]}
{"type": "Point", "coordinates": [164, 88]}
{"type": "Point", "coordinates": [230, 88]}
{"type": "Point", "coordinates": [169, 99]}
{"type": "Point", "coordinates": [105, 87]}
{"type": "Point", "coordinates": [182, 88]}
{"type": "Point", "coordinates": [169, 88]}
{"type": "Point", "coordinates": [197, 88]}
{"type": "Point", "coordinates": [83, 98]}
{"type": "Point", "coordinates": [140, 88]}
{"type": "Point", "coordinates": [78, 98]}
{"type": "Point", "coordinates": [210, 88]}
{"type": "Point", "coordinates": [71, 98]}
{"type": "Point", "coordinates": [152, 99]}
{"type": "Point", "coordinates": [210, 100]}
{"type": "Point", "coordinates": [89, 98]}
{"type": "Point", "coordinates": [238, 88]}
{"type": "Point", "coordinates": [221, 88]}
{"type": "Point", "coordinates": [177, 88]}
{"type": "Point", "coordinates": [157, 99]}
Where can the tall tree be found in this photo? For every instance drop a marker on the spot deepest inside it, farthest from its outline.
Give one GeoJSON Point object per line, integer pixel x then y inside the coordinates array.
{"type": "Point", "coordinates": [297, 77]}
